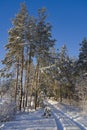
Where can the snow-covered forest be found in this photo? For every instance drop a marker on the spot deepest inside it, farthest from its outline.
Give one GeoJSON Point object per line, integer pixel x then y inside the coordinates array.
{"type": "Point", "coordinates": [34, 71]}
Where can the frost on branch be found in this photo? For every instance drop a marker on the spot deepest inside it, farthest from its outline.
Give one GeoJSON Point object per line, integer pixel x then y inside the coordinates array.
{"type": "Point", "coordinates": [7, 111]}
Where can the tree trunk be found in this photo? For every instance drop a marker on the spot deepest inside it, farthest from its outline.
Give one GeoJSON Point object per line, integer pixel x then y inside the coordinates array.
{"type": "Point", "coordinates": [27, 75]}
{"type": "Point", "coordinates": [16, 86]}
{"type": "Point", "coordinates": [37, 83]}
{"type": "Point", "coordinates": [21, 81]}
{"type": "Point", "coordinates": [35, 100]}
{"type": "Point", "coordinates": [61, 93]}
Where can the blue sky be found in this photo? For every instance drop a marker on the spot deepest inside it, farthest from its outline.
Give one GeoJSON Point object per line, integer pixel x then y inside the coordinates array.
{"type": "Point", "coordinates": [68, 18]}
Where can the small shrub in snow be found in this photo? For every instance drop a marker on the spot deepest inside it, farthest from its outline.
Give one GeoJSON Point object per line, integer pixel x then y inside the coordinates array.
{"type": "Point", "coordinates": [7, 111]}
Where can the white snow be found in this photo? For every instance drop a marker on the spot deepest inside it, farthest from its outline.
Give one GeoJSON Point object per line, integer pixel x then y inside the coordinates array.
{"type": "Point", "coordinates": [31, 121]}
{"type": "Point", "coordinates": [63, 118]}
{"type": "Point", "coordinates": [72, 116]}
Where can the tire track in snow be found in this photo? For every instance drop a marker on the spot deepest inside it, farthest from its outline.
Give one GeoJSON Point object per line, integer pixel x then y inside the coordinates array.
{"type": "Point", "coordinates": [63, 121]}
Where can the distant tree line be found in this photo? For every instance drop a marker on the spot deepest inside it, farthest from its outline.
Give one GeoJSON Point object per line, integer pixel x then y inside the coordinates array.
{"type": "Point", "coordinates": [31, 64]}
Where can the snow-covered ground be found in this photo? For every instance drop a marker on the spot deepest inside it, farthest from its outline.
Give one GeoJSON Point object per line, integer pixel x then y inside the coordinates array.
{"type": "Point", "coordinates": [70, 115]}
{"type": "Point", "coordinates": [30, 121]}
{"type": "Point", "coordinates": [63, 118]}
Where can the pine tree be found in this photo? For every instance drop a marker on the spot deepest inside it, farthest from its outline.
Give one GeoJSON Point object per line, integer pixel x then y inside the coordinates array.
{"type": "Point", "coordinates": [82, 62]}
{"type": "Point", "coordinates": [28, 38]}
{"type": "Point", "coordinates": [43, 43]}
{"type": "Point", "coordinates": [30, 50]}
{"type": "Point", "coordinates": [65, 69]}
{"type": "Point", "coordinates": [82, 72]}
{"type": "Point", "coordinates": [15, 47]}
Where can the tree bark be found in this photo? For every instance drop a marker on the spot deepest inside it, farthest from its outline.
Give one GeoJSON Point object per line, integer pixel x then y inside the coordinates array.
{"type": "Point", "coordinates": [16, 86]}
{"type": "Point", "coordinates": [21, 80]}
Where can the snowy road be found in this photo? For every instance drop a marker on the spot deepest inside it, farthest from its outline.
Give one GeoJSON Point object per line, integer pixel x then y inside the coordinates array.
{"type": "Point", "coordinates": [34, 121]}
{"type": "Point", "coordinates": [65, 122]}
